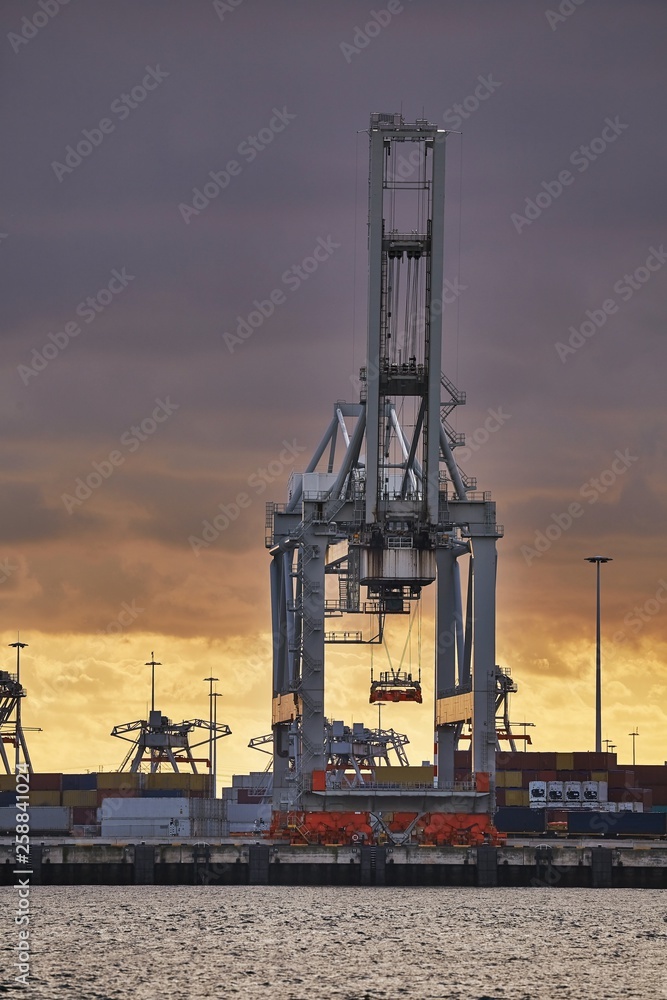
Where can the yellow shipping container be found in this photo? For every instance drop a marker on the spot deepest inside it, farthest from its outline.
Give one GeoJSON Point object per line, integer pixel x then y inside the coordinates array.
{"type": "Point", "coordinates": [516, 797]}
{"type": "Point", "coordinates": [599, 775]}
{"type": "Point", "coordinates": [118, 779]}
{"type": "Point", "coordinates": [86, 799]}
{"type": "Point", "coordinates": [513, 779]}
{"type": "Point", "coordinates": [156, 782]}
{"type": "Point", "coordinates": [43, 798]}
{"type": "Point", "coordinates": [565, 762]}
{"type": "Point", "coordinates": [500, 779]}
{"type": "Point", "coordinates": [200, 782]}
{"type": "Point", "coordinates": [405, 775]}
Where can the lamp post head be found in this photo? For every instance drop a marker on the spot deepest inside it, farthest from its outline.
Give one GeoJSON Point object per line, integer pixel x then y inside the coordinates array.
{"type": "Point", "coordinates": [598, 559]}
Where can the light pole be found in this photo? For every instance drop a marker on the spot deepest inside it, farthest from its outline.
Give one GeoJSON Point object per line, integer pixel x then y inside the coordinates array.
{"type": "Point", "coordinates": [153, 663]}
{"type": "Point", "coordinates": [18, 646]}
{"type": "Point", "coordinates": [210, 722]}
{"type": "Point", "coordinates": [634, 735]}
{"type": "Point", "coordinates": [381, 705]}
{"type": "Point", "coordinates": [598, 677]}
{"type": "Point", "coordinates": [215, 696]}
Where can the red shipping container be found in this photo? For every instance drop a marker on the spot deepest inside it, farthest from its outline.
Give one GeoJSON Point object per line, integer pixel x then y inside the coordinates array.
{"type": "Point", "coordinates": [626, 794]}
{"type": "Point", "coordinates": [46, 782]}
{"type": "Point", "coordinates": [622, 779]}
{"type": "Point", "coordinates": [528, 776]}
{"type": "Point", "coordinates": [659, 795]}
{"type": "Point", "coordinates": [651, 774]}
{"type": "Point", "coordinates": [547, 775]}
{"type": "Point", "coordinates": [500, 796]}
{"type": "Point", "coordinates": [83, 817]}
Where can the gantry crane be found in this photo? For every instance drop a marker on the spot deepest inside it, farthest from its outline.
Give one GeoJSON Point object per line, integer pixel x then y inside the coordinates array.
{"type": "Point", "coordinates": [382, 508]}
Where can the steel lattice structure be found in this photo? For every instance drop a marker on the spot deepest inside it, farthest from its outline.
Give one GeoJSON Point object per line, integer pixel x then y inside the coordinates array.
{"type": "Point", "coordinates": [383, 486]}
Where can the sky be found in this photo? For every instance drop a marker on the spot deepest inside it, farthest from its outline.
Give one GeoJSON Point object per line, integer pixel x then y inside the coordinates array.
{"type": "Point", "coordinates": [167, 167]}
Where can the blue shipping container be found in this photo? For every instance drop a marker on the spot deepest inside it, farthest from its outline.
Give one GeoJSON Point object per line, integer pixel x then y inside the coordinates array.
{"type": "Point", "coordinates": [7, 798]}
{"type": "Point", "coordinates": [79, 782]}
{"type": "Point", "coordinates": [520, 819]}
{"type": "Point", "coordinates": [623, 824]}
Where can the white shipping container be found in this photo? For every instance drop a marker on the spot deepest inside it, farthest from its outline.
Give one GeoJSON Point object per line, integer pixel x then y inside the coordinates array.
{"type": "Point", "coordinates": [572, 792]}
{"type": "Point", "coordinates": [590, 791]}
{"type": "Point", "coordinates": [159, 829]}
{"type": "Point", "coordinates": [555, 792]}
{"type": "Point", "coordinates": [537, 793]}
{"type": "Point", "coordinates": [150, 809]}
{"type": "Point", "coordinates": [41, 819]}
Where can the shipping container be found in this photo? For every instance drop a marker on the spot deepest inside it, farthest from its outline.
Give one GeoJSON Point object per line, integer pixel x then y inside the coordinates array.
{"type": "Point", "coordinates": [513, 779]}
{"type": "Point", "coordinates": [84, 817]}
{"type": "Point", "coordinates": [164, 793]}
{"type": "Point", "coordinates": [7, 782]}
{"type": "Point", "coordinates": [123, 780]}
{"type": "Point", "coordinates": [79, 782]}
{"type": "Point", "coordinates": [590, 791]}
{"type": "Point", "coordinates": [201, 783]}
{"type": "Point", "coordinates": [500, 797]}
{"type": "Point", "coordinates": [537, 792]}
{"type": "Point", "coordinates": [46, 782]}
{"type": "Point", "coordinates": [600, 776]}
{"type": "Point", "coordinates": [555, 792]}
{"type": "Point", "coordinates": [86, 800]}
{"type": "Point", "coordinates": [527, 777]}
{"type": "Point", "coordinates": [547, 775]}
{"type": "Point", "coordinates": [622, 779]}
{"type": "Point", "coordinates": [167, 779]}
{"type": "Point", "coordinates": [43, 820]}
{"type": "Point", "coordinates": [516, 797]}
{"type": "Point", "coordinates": [572, 792]}
{"type": "Point", "coordinates": [659, 795]}
{"type": "Point", "coordinates": [43, 798]}
{"type": "Point", "coordinates": [7, 798]}
{"type": "Point", "coordinates": [145, 829]}
{"type": "Point", "coordinates": [619, 824]}
{"type": "Point", "coordinates": [565, 762]}
{"type": "Point", "coordinates": [649, 775]}
{"type": "Point", "coordinates": [520, 820]}
{"type": "Point", "coordinates": [141, 808]}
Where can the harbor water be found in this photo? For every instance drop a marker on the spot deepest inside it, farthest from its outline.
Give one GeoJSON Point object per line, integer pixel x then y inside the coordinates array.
{"type": "Point", "coordinates": [312, 943]}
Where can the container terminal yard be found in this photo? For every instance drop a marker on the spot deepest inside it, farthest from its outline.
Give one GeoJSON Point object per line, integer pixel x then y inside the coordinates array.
{"type": "Point", "coordinates": [381, 511]}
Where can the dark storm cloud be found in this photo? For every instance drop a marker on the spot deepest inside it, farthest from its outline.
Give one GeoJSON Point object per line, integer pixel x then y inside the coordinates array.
{"type": "Point", "coordinates": [548, 94]}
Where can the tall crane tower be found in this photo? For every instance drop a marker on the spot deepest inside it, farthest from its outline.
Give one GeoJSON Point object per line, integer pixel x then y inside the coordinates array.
{"type": "Point", "coordinates": [382, 509]}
